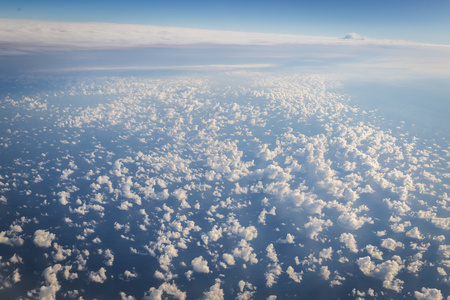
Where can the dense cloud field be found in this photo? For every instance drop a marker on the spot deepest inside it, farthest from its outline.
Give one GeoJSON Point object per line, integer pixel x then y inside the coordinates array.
{"type": "Point", "coordinates": [229, 184]}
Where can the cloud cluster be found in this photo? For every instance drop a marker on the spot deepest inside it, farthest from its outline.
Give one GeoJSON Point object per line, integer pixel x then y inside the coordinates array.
{"type": "Point", "coordinates": [247, 175]}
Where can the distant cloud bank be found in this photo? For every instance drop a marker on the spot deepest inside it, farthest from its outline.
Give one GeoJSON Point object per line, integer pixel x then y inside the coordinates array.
{"type": "Point", "coordinates": [34, 34]}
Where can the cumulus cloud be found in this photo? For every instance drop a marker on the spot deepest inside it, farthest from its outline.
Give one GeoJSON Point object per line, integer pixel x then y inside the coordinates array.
{"type": "Point", "coordinates": [428, 294]}
{"type": "Point", "coordinates": [60, 253]}
{"type": "Point", "coordinates": [246, 290]}
{"type": "Point", "coordinates": [229, 259]}
{"type": "Point", "coordinates": [109, 257]}
{"type": "Point", "coordinates": [352, 221]}
{"type": "Point", "coordinates": [200, 265]}
{"type": "Point", "coordinates": [165, 288]}
{"type": "Point", "coordinates": [271, 254]}
{"type": "Point", "coordinates": [11, 238]}
{"type": "Point", "coordinates": [349, 240]}
{"type": "Point", "coordinates": [43, 238]}
{"type": "Point", "coordinates": [295, 276]}
{"type": "Point", "coordinates": [385, 271]}
{"type": "Point", "coordinates": [215, 292]}
{"type": "Point", "coordinates": [245, 251]}
{"type": "Point", "coordinates": [415, 233]}
{"type": "Point", "coordinates": [48, 291]}
{"type": "Point", "coordinates": [315, 226]}
{"type": "Point", "coordinates": [288, 240]}
{"type": "Point", "coordinates": [130, 274]}
{"type": "Point", "coordinates": [324, 272]}
{"type": "Point", "coordinates": [272, 274]}
{"type": "Point", "coordinates": [326, 253]}
{"type": "Point", "coordinates": [64, 197]}
{"type": "Point", "coordinates": [99, 276]}
{"type": "Point", "coordinates": [262, 215]}
{"type": "Point", "coordinates": [391, 244]}
{"type": "Point", "coordinates": [124, 296]}
{"type": "Point", "coordinates": [374, 252]}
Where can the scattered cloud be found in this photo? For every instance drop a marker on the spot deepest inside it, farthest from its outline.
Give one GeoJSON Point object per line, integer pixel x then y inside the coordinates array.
{"type": "Point", "coordinates": [200, 265]}
{"type": "Point", "coordinates": [43, 238]}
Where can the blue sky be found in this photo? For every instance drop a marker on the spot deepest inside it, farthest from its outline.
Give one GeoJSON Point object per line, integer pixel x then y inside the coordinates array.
{"type": "Point", "coordinates": [414, 20]}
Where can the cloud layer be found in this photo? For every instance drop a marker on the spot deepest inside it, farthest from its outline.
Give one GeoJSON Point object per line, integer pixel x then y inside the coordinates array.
{"type": "Point", "coordinates": [32, 34]}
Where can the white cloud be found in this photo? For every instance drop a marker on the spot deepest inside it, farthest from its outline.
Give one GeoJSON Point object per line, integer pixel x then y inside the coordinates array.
{"type": "Point", "coordinates": [234, 227]}
{"type": "Point", "coordinates": [326, 253]}
{"type": "Point", "coordinates": [315, 226]}
{"type": "Point", "coordinates": [271, 253]}
{"type": "Point", "coordinates": [215, 233]}
{"type": "Point", "coordinates": [66, 173]}
{"type": "Point", "coordinates": [16, 259]}
{"type": "Point", "coordinates": [288, 240]}
{"type": "Point", "coordinates": [109, 257]}
{"type": "Point", "coordinates": [351, 221]}
{"type": "Point", "coordinates": [43, 238]}
{"type": "Point", "coordinates": [124, 296]}
{"type": "Point", "coordinates": [391, 244]}
{"type": "Point", "coordinates": [324, 272]}
{"type": "Point", "coordinates": [99, 276]}
{"type": "Point", "coordinates": [16, 276]}
{"type": "Point", "coordinates": [428, 294]}
{"type": "Point", "coordinates": [244, 251]}
{"type": "Point", "coordinates": [67, 275]}
{"type": "Point", "coordinates": [295, 276]}
{"type": "Point", "coordinates": [229, 259]}
{"type": "Point", "coordinates": [200, 265]}
{"type": "Point", "coordinates": [444, 250]}
{"type": "Point", "coordinates": [349, 240]}
{"type": "Point", "coordinates": [415, 233]}
{"type": "Point", "coordinates": [130, 274]}
{"type": "Point", "coordinates": [262, 215]}
{"type": "Point", "coordinates": [4, 239]}
{"type": "Point", "coordinates": [385, 271]}
{"type": "Point", "coordinates": [48, 292]}
{"type": "Point", "coordinates": [272, 275]}
{"type": "Point", "coordinates": [60, 253]}
{"type": "Point", "coordinates": [374, 252]}
{"type": "Point", "coordinates": [246, 290]}
{"type": "Point", "coordinates": [66, 35]}
{"type": "Point", "coordinates": [63, 197]}
{"type": "Point", "coordinates": [215, 292]}
{"type": "Point", "coordinates": [165, 288]}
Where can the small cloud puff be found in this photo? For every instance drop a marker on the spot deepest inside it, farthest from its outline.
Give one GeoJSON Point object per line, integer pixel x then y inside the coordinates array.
{"type": "Point", "coordinates": [215, 292]}
{"type": "Point", "coordinates": [99, 276]}
{"type": "Point", "coordinates": [349, 240]}
{"type": "Point", "coordinates": [428, 294]}
{"type": "Point", "coordinates": [43, 238]}
{"type": "Point", "coordinates": [200, 265]}
{"type": "Point", "coordinates": [415, 233]}
{"type": "Point", "coordinates": [167, 288]}
{"type": "Point", "coordinates": [391, 244]}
